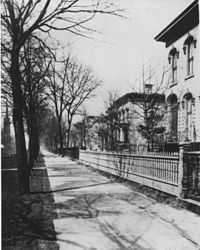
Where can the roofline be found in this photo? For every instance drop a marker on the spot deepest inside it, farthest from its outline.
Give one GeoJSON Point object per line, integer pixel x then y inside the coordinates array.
{"type": "Point", "coordinates": [177, 19]}
{"type": "Point", "coordinates": [138, 98]}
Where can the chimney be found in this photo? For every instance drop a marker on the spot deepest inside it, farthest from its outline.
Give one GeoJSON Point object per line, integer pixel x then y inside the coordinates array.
{"type": "Point", "coordinates": [148, 89]}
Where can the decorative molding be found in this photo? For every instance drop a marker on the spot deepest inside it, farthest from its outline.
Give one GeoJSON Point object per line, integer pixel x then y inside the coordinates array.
{"type": "Point", "coordinates": [173, 84]}
{"type": "Point", "coordinates": [172, 54]}
{"type": "Point", "coordinates": [188, 41]}
{"type": "Point", "coordinates": [188, 77]}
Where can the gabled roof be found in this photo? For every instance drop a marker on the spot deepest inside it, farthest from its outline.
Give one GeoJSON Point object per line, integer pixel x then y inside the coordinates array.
{"type": "Point", "coordinates": [183, 23]}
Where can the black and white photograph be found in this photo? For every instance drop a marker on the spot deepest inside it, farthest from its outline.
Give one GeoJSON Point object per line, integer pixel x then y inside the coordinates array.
{"type": "Point", "coordinates": [100, 125]}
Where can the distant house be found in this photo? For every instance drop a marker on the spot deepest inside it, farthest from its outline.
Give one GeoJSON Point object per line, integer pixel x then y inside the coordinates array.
{"type": "Point", "coordinates": [181, 38]}
{"type": "Point", "coordinates": [129, 117]}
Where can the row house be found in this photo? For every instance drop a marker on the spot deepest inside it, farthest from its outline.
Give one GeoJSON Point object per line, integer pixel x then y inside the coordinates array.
{"type": "Point", "coordinates": [181, 38]}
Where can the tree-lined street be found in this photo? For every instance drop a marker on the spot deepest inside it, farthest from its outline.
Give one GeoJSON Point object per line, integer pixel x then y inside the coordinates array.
{"type": "Point", "coordinates": [59, 58]}
{"type": "Point", "coordinates": [24, 22]}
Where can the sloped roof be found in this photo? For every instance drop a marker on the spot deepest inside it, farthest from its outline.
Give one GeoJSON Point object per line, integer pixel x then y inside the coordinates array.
{"type": "Point", "coordinates": [183, 23]}
{"type": "Point", "coordinates": [135, 97]}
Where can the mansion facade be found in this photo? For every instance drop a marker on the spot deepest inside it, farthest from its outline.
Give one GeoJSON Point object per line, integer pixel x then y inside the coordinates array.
{"type": "Point", "coordinates": [130, 117]}
{"type": "Point", "coordinates": [181, 38]}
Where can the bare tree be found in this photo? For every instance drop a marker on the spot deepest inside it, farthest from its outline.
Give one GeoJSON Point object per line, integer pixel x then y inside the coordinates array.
{"type": "Point", "coordinates": [6, 86]}
{"type": "Point", "coordinates": [144, 115]}
{"type": "Point", "coordinates": [152, 107]}
{"type": "Point", "coordinates": [70, 85]}
{"type": "Point", "coordinates": [33, 71]}
{"type": "Point", "coordinates": [49, 134]}
{"type": "Point", "coordinates": [21, 20]}
{"type": "Point", "coordinates": [81, 128]}
{"type": "Point", "coordinates": [102, 131]}
{"type": "Point", "coordinates": [81, 86]}
{"type": "Point", "coordinates": [111, 97]}
{"type": "Point", "coordinates": [110, 119]}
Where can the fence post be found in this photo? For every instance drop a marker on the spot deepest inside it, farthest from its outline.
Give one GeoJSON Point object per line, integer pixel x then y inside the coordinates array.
{"type": "Point", "coordinates": [180, 172]}
{"type": "Point", "coordinates": [183, 170]}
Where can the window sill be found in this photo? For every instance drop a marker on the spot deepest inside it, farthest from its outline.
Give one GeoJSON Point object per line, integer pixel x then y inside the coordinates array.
{"type": "Point", "coordinates": [189, 76]}
{"type": "Point", "coordinates": [173, 84]}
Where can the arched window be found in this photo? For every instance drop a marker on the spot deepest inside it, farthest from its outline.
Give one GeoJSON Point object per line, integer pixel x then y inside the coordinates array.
{"type": "Point", "coordinates": [188, 46]}
{"type": "Point", "coordinates": [173, 56]}
{"type": "Point", "coordinates": [188, 102]}
{"type": "Point", "coordinates": [173, 117]}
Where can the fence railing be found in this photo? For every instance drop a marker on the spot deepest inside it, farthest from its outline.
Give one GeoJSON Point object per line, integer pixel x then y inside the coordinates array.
{"type": "Point", "coordinates": [158, 171]}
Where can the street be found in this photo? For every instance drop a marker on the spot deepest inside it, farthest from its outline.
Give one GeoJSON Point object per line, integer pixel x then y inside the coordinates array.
{"type": "Point", "coordinates": [94, 212]}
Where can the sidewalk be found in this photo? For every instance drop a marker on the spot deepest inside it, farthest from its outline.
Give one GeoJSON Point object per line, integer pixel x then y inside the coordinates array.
{"type": "Point", "coordinates": [72, 207]}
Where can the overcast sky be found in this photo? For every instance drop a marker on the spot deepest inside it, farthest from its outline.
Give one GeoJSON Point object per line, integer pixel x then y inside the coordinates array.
{"type": "Point", "coordinates": [124, 45]}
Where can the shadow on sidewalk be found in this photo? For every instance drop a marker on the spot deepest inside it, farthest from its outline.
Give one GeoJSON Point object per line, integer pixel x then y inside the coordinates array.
{"type": "Point", "coordinates": [27, 222]}
{"type": "Point", "coordinates": [70, 188]}
{"type": "Point", "coordinates": [94, 210]}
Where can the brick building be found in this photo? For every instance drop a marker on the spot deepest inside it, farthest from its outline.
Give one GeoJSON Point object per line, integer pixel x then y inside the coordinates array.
{"type": "Point", "coordinates": [181, 38]}
{"type": "Point", "coordinates": [130, 110]}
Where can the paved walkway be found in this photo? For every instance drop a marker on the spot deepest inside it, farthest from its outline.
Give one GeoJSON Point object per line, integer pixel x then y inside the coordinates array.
{"type": "Point", "coordinates": [94, 212]}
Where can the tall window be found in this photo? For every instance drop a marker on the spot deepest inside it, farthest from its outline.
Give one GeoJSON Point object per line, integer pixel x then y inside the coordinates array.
{"type": "Point", "coordinates": [174, 68]}
{"type": "Point", "coordinates": [188, 101]}
{"type": "Point", "coordinates": [189, 45]}
{"type": "Point", "coordinates": [173, 56]}
{"type": "Point", "coordinates": [190, 59]}
{"type": "Point", "coordinates": [173, 117]}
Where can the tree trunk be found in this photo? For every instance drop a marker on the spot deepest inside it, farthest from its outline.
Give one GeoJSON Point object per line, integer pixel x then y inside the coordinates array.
{"type": "Point", "coordinates": [22, 163]}
{"type": "Point", "coordinates": [31, 153]}
{"type": "Point", "coordinates": [36, 148]}
{"type": "Point", "coordinates": [60, 135]}
{"type": "Point", "coordinates": [33, 145]}
{"type": "Point", "coordinates": [68, 131]}
{"type": "Point", "coordinates": [68, 134]}
{"type": "Point", "coordinates": [30, 123]}
{"type": "Point", "coordinates": [84, 136]}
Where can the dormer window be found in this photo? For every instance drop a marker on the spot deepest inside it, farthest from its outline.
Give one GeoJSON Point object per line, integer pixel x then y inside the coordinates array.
{"type": "Point", "coordinates": [173, 56]}
{"type": "Point", "coordinates": [189, 45]}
